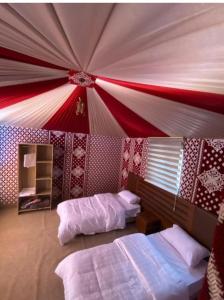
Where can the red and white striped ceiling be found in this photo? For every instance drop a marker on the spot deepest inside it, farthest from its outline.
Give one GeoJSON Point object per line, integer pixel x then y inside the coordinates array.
{"type": "Point", "coordinates": [113, 69]}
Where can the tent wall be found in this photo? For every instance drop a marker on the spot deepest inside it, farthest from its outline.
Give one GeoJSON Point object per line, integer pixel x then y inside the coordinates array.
{"type": "Point", "coordinates": [202, 177]}
{"type": "Point", "coordinates": [89, 164]}
{"type": "Point", "coordinates": [81, 162]}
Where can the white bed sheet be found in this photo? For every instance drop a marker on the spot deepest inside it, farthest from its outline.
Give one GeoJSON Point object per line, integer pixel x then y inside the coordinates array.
{"type": "Point", "coordinates": [129, 268]}
{"type": "Point", "coordinates": [193, 277]}
{"type": "Point", "coordinates": [90, 215]}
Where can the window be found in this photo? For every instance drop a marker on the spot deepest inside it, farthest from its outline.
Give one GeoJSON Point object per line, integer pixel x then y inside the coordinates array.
{"type": "Point", "coordinates": [164, 163]}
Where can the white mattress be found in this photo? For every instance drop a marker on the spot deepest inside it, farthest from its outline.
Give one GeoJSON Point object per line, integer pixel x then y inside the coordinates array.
{"type": "Point", "coordinates": [193, 277]}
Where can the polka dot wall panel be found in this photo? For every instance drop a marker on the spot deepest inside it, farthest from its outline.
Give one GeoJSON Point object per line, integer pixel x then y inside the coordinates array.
{"type": "Point", "coordinates": [103, 164]}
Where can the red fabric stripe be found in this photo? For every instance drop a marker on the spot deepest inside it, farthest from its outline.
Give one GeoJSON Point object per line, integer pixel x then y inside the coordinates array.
{"type": "Point", "coordinates": [66, 119]}
{"type": "Point", "coordinates": [210, 101]}
{"type": "Point", "coordinates": [13, 94]}
{"type": "Point", "coordinates": [13, 55]}
{"type": "Point", "coordinates": [132, 124]}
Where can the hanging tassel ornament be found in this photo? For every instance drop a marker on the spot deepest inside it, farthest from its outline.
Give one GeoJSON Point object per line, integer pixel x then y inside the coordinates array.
{"type": "Point", "coordinates": [80, 108]}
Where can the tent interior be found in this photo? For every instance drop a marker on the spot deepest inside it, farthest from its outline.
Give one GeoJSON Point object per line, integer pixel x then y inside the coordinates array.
{"type": "Point", "coordinates": [119, 107]}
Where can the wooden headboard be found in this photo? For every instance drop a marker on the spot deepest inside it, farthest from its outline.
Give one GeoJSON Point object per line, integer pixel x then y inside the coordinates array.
{"type": "Point", "coordinates": [196, 221]}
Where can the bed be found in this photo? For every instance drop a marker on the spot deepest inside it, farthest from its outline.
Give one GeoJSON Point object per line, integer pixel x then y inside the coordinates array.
{"type": "Point", "coordinates": [132, 267]}
{"type": "Point", "coordinates": [99, 213]}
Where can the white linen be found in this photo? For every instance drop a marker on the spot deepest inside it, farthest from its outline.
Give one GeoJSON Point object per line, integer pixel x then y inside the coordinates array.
{"type": "Point", "coordinates": [29, 160]}
{"type": "Point", "coordinates": [192, 277]}
{"type": "Point", "coordinates": [89, 215]}
{"type": "Point", "coordinates": [129, 268]}
{"type": "Point", "coordinates": [191, 251]}
{"type": "Point", "coordinates": [27, 192]}
{"type": "Point", "coordinates": [129, 197]}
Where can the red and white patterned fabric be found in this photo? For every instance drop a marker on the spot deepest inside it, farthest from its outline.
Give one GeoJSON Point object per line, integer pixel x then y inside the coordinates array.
{"type": "Point", "coordinates": [156, 75]}
{"type": "Point", "coordinates": [10, 137]}
{"type": "Point", "coordinates": [134, 156]}
{"type": "Point", "coordinates": [103, 164]}
{"type": "Point", "coordinates": [57, 138]}
{"type": "Point", "coordinates": [202, 179]}
{"type": "Point", "coordinates": [126, 158]}
{"type": "Point", "coordinates": [83, 164]}
{"type": "Point", "coordinates": [78, 165]}
{"type": "Point", "coordinates": [213, 288]}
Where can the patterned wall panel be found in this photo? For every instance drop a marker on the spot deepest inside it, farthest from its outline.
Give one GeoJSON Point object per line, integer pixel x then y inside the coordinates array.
{"type": "Point", "coordinates": [58, 138]}
{"type": "Point", "coordinates": [10, 138]}
{"type": "Point", "coordinates": [72, 175]}
{"type": "Point", "coordinates": [137, 157]}
{"type": "Point", "coordinates": [103, 164]}
{"type": "Point", "coordinates": [67, 165]}
{"type": "Point", "coordinates": [78, 163]}
{"type": "Point", "coordinates": [126, 158]}
{"type": "Point", "coordinates": [145, 152]}
{"type": "Point", "coordinates": [202, 180]}
{"type": "Point", "coordinates": [189, 168]}
{"type": "Point", "coordinates": [134, 157]}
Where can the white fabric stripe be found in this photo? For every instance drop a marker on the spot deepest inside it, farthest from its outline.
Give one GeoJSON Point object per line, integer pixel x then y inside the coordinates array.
{"type": "Point", "coordinates": [13, 72]}
{"type": "Point", "coordinates": [101, 121]}
{"type": "Point", "coordinates": [36, 111]}
{"type": "Point", "coordinates": [48, 25]}
{"type": "Point", "coordinates": [77, 21]}
{"type": "Point", "coordinates": [22, 80]}
{"type": "Point", "coordinates": [164, 44]}
{"type": "Point", "coordinates": [175, 119]}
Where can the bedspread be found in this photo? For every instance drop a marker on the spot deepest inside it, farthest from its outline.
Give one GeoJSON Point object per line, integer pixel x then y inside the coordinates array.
{"type": "Point", "coordinates": [129, 268]}
{"type": "Point", "coordinates": [89, 215]}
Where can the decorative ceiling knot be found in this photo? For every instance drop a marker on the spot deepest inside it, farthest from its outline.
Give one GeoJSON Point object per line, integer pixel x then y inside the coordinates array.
{"type": "Point", "coordinates": [80, 78]}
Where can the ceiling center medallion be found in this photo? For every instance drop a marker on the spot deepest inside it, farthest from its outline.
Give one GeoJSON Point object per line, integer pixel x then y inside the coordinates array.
{"type": "Point", "coordinates": [80, 78]}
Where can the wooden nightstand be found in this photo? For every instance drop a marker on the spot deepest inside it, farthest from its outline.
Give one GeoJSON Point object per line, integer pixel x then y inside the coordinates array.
{"type": "Point", "coordinates": [147, 223]}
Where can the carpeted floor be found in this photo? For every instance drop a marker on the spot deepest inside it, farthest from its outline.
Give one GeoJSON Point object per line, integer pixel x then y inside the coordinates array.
{"type": "Point", "coordinates": [30, 252]}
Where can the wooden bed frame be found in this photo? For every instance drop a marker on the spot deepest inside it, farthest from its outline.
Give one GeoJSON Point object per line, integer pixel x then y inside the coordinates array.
{"type": "Point", "coordinates": [174, 210]}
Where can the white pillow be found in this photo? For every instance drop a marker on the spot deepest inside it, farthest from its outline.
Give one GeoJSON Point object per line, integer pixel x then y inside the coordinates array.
{"type": "Point", "coordinates": [190, 250]}
{"type": "Point", "coordinates": [129, 197]}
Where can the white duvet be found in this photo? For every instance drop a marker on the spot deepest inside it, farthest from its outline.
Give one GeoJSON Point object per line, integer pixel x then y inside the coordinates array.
{"type": "Point", "coordinates": [89, 215]}
{"type": "Point", "coordinates": [130, 268]}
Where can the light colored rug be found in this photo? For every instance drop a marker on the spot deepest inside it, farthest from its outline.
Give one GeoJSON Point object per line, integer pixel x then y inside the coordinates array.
{"type": "Point", "coordinates": [30, 252]}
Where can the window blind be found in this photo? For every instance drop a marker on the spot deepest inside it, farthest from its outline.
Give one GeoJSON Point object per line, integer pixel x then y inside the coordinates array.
{"type": "Point", "coordinates": [164, 162]}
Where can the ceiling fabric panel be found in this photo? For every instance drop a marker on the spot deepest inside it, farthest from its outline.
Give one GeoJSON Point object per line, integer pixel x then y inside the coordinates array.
{"type": "Point", "coordinates": [14, 72]}
{"type": "Point", "coordinates": [66, 118]}
{"type": "Point", "coordinates": [101, 121]}
{"type": "Point", "coordinates": [36, 111]}
{"type": "Point", "coordinates": [16, 56]}
{"type": "Point", "coordinates": [209, 101]}
{"type": "Point", "coordinates": [139, 69]}
{"type": "Point", "coordinates": [78, 26]}
{"type": "Point", "coordinates": [21, 31]}
{"type": "Point", "coordinates": [10, 95]}
{"type": "Point", "coordinates": [177, 45]}
{"type": "Point", "coordinates": [173, 119]}
{"type": "Point", "coordinates": [132, 123]}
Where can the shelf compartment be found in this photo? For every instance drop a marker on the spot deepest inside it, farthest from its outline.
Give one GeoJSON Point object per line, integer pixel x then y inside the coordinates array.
{"type": "Point", "coordinates": [44, 170]}
{"type": "Point", "coordinates": [44, 152]}
{"type": "Point", "coordinates": [34, 209]}
{"type": "Point", "coordinates": [33, 203]}
{"type": "Point", "coordinates": [43, 186]}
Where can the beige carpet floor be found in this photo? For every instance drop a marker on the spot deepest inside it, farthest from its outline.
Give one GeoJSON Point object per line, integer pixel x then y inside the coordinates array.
{"type": "Point", "coordinates": [30, 252]}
